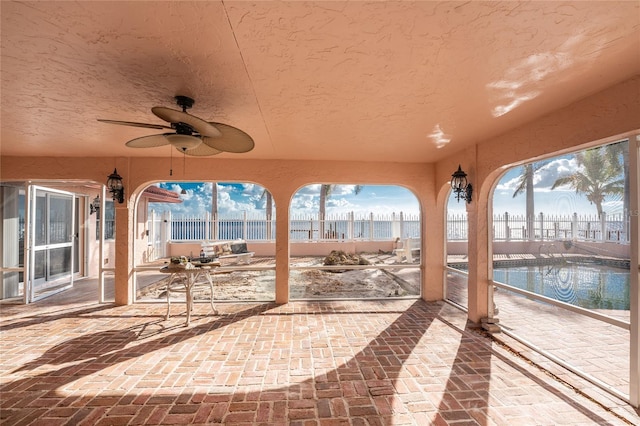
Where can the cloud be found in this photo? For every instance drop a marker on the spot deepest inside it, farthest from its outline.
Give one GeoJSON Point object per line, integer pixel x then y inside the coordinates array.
{"type": "Point", "coordinates": [543, 178]}
{"type": "Point", "coordinates": [234, 199]}
{"type": "Point", "coordinates": [547, 175]}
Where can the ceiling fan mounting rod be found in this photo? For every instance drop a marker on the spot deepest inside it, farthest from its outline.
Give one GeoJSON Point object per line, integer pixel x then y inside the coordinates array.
{"type": "Point", "coordinates": [185, 102]}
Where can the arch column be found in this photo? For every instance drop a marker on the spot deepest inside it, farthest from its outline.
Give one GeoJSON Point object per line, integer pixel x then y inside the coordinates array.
{"type": "Point", "coordinates": [282, 246]}
{"type": "Point", "coordinates": [433, 249]}
{"type": "Point", "coordinates": [124, 235]}
{"type": "Point", "coordinates": [478, 253]}
{"type": "Point", "coordinates": [124, 254]}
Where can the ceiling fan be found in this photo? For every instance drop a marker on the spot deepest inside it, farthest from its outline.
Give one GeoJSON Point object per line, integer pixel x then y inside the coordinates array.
{"type": "Point", "coordinates": [190, 135]}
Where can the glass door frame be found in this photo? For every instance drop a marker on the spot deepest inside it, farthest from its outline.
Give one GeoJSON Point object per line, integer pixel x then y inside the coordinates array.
{"type": "Point", "coordinates": [634, 280]}
{"type": "Point", "coordinates": [33, 247]}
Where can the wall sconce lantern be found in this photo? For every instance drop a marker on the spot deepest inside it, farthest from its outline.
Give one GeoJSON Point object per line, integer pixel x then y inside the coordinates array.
{"type": "Point", "coordinates": [94, 207]}
{"type": "Point", "coordinates": [114, 185]}
{"type": "Point", "coordinates": [460, 187]}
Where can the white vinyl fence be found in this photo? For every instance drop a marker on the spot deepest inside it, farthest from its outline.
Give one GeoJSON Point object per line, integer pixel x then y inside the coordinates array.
{"type": "Point", "coordinates": [372, 227]}
{"type": "Point", "coordinates": [507, 227]}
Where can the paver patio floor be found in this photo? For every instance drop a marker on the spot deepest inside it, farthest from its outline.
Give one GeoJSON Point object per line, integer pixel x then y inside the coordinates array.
{"type": "Point", "coordinates": [397, 362]}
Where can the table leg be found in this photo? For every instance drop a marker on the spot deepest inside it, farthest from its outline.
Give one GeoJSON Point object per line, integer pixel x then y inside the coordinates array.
{"type": "Point", "coordinates": [210, 279]}
{"type": "Point", "coordinates": [191, 279]}
{"type": "Point", "coordinates": [171, 277]}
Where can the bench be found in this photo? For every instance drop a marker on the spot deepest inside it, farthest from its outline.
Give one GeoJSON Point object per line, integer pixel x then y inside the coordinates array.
{"type": "Point", "coordinates": [405, 253]}
{"type": "Point", "coordinates": [227, 250]}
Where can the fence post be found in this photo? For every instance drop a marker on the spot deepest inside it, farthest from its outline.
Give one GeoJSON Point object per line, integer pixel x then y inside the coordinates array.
{"type": "Point", "coordinates": [395, 227]}
{"type": "Point", "coordinates": [541, 227]}
{"type": "Point", "coordinates": [351, 230]}
{"type": "Point", "coordinates": [371, 226]}
{"type": "Point", "coordinates": [244, 225]}
{"type": "Point", "coordinates": [207, 226]}
{"type": "Point", "coordinates": [311, 228]}
{"type": "Point", "coordinates": [216, 225]}
{"type": "Point", "coordinates": [165, 230]}
{"type": "Point", "coordinates": [507, 231]}
{"type": "Point", "coordinates": [401, 225]}
{"type": "Point", "coordinates": [151, 238]}
{"type": "Point", "coordinates": [574, 226]}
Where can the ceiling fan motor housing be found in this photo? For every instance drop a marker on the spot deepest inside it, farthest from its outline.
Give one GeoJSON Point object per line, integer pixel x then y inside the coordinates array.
{"type": "Point", "coordinates": [182, 128]}
{"type": "Point", "coordinates": [185, 102]}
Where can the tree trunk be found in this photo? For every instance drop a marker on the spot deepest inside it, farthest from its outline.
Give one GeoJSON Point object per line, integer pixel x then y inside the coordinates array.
{"type": "Point", "coordinates": [214, 210]}
{"type": "Point", "coordinates": [324, 190]}
{"type": "Point", "coordinates": [529, 203]}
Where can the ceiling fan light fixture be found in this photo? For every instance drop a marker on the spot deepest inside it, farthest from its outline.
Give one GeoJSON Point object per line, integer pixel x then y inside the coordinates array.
{"type": "Point", "coordinates": [183, 142]}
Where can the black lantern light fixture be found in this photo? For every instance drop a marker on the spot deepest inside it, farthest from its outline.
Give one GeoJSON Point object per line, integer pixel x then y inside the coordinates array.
{"type": "Point", "coordinates": [460, 186]}
{"type": "Point", "coordinates": [114, 185]}
{"type": "Point", "coordinates": [94, 207]}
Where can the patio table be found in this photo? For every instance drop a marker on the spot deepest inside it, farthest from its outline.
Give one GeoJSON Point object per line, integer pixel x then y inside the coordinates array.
{"type": "Point", "coordinates": [182, 280]}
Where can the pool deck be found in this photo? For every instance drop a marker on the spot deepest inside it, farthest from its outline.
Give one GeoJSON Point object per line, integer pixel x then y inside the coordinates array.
{"type": "Point", "coordinates": [516, 259]}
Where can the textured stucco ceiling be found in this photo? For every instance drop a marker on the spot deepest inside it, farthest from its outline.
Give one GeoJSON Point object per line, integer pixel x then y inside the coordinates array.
{"type": "Point", "coordinates": [379, 81]}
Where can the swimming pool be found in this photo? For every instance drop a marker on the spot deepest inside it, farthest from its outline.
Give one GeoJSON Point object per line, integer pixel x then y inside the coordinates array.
{"type": "Point", "coordinates": [584, 285]}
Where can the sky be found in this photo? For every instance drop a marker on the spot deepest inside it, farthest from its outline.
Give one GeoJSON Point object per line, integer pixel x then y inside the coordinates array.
{"type": "Point", "coordinates": [562, 200]}
{"type": "Point", "coordinates": [235, 199]}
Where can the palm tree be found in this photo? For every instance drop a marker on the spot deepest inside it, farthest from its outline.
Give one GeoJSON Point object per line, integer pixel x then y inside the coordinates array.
{"type": "Point", "coordinates": [595, 177]}
{"type": "Point", "coordinates": [616, 152]}
{"type": "Point", "coordinates": [325, 192]}
{"type": "Point", "coordinates": [214, 209]}
{"type": "Point", "coordinates": [525, 184]}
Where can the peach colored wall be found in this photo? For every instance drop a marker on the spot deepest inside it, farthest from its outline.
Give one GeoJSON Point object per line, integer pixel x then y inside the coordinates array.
{"type": "Point", "coordinates": [296, 249]}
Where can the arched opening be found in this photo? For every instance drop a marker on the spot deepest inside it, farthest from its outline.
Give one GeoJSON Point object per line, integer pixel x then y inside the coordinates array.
{"type": "Point", "coordinates": [228, 227]}
{"type": "Point", "coordinates": [561, 260]}
{"type": "Point", "coordinates": [354, 242]}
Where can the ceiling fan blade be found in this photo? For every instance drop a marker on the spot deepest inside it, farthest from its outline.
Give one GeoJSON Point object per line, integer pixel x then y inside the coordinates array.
{"type": "Point", "coordinates": [148, 141]}
{"type": "Point", "coordinates": [232, 139]}
{"type": "Point", "coordinates": [134, 124]}
{"type": "Point", "coordinates": [175, 116]}
{"type": "Point", "coordinates": [201, 150]}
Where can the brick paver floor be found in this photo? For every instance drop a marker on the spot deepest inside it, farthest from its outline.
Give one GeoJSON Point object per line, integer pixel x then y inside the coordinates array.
{"type": "Point", "coordinates": [400, 362]}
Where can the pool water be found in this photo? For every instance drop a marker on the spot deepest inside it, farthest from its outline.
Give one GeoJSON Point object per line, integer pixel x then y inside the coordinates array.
{"type": "Point", "coordinates": [586, 286]}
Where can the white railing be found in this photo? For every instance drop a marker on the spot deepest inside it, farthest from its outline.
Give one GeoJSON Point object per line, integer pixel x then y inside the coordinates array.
{"type": "Point", "coordinates": [508, 227]}
{"type": "Point", "coordinates": [371, 227]}
{"type": "Point", "coordinates": [347, 227]}
{"type": "Point", "coordinates": [189, 228]}
{"type": "Point", "coordinates": [350, 227]}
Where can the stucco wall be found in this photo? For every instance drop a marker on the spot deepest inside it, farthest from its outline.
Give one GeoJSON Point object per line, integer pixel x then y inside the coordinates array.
{"type": "Point", "coordinates": [296, 249]}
